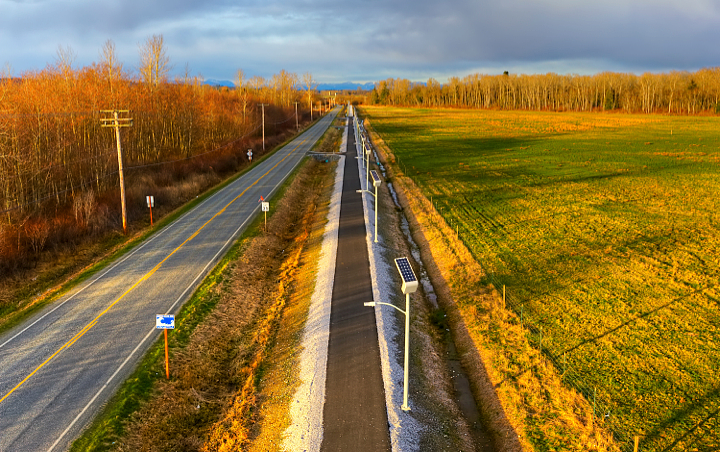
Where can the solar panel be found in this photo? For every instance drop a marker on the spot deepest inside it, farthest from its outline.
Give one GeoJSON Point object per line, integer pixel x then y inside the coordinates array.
{"type": "Point", "coordinates": [376, 178]}
{"type": "Point", "coordinates": [410, 282]}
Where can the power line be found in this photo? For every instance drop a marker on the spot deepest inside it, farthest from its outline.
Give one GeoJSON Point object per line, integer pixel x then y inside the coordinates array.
{"type": "Point", "coordinates": [196, 155]}
{"type": "Point", "coordinates": [48, 168]}
{"type": "Point", "coordinates": [86, 184]}
{"type": "Point", "coordinates": [55, 194]}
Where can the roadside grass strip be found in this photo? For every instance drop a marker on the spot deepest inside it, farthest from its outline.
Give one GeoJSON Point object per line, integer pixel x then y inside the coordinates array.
{"type": "Point", "coordinates": [305, 431]}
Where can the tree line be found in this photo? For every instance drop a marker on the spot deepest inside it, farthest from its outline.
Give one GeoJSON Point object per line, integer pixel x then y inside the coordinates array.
{"type": "Point", "coordinates": [673, 93]}
{"type": "Point", "coordinates": [56, 159]}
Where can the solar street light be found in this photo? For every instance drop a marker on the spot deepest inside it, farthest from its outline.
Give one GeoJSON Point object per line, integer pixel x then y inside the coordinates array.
{"type": "Point", "coordinates": [409, 285]}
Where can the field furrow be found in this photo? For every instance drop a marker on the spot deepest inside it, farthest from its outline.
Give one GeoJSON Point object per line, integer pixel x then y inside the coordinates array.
{"type": "Point", "coordinates": [603, 230]}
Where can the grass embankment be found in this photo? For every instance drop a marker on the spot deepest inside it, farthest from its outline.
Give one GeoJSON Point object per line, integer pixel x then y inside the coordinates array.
{"type": "Point", "coordinates": [602, 228]}
{"type": "Point", "coordinates": [330, 141]}
{"type": "Point", "coordinates": [213, 400]}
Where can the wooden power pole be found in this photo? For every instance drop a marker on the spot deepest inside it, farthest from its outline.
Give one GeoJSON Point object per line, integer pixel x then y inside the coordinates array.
{"type": "Point", "coordinates": [263, 123]}
{"type": "Point", "coordinates": [297, 121]}
{"type": "Point", "coordinates": [118, 122]}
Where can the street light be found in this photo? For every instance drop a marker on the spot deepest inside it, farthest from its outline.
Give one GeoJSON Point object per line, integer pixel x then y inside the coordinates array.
{"type": "Point", "coordinates": [366, 150]}
{"type": "Point", "coordinates": [409, 285]}
{"type": "Point", "coordinates": [376, 184]}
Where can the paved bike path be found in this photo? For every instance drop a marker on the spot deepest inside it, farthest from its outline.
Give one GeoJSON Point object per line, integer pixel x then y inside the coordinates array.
{"type": "Point", "coordinates": [355, 415]}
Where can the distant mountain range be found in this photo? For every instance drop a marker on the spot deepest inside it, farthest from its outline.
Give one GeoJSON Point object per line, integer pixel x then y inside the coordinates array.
{"type": "Point", "coordinates": [322, 86]}
{"type": "Point", "coordinates": [213, 82]}
{"type": "Point", "coordinates": [345, 85]}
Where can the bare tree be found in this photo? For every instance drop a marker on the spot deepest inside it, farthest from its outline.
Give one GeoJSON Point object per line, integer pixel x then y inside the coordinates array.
{"type": "Point", "coordinates": [242, 91]}
{"type": "Point", "coordinates": [310, 85]}
{"type": "Point", "coordinates": [283, 85]}
{"type": "Point", "coordinates": [154, 63]}
{"type": "Point", "coordinates": [110, 66]}
{"type": "Point", "coordinates": [65, 59]}
{"type": "Point", "coordinates": [257, 83]}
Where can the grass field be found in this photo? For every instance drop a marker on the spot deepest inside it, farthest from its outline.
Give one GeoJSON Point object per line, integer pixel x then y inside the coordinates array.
{"type": "Point", "coordinates": [603, 228]}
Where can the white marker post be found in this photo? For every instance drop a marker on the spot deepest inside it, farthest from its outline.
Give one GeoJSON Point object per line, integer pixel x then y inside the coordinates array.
{"type": "Point", "coordinates": [151, 204]}
{"type": "Point", "coordinates": [409, 285]}
{"type": "Point", "coordinates": [165, 322]}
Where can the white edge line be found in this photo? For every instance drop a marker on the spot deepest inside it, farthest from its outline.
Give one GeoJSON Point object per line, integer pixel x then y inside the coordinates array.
{"type": "Point", "coordinates": [117, 371]}
{"type": "Point", "coordinates": [97, 278]}
{"type": "Point", "coordinates": [202, 273]}
{"type": "Point", "coordinates": [147, 242]}
{"type": "Point", "coordinates": [81, 290]}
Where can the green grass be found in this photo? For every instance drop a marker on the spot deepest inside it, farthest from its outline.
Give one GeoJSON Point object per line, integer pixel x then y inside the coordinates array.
{"type": "Point", "coordinates": [604, 229]}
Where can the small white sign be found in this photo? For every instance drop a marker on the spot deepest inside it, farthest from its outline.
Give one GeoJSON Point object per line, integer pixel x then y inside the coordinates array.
{"type": "Point", "coordinates": [165, 322]}
{"type": "Point", "coordinates": [266, 207]}
{"type": "Point", "coordinates": [150, 201]}
{"type": "Point", "coordinates": [249, 154]}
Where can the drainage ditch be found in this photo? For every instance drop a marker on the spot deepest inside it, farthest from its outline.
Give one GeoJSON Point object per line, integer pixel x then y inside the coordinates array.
{"type": "Point", "coordinates": [461, 384]}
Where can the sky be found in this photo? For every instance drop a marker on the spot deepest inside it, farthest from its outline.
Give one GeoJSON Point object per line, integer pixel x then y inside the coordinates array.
{"type": "Point", "coordinates": [370, 40]}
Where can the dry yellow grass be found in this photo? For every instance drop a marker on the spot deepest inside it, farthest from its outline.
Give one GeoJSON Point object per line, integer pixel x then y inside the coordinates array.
{"type": "Point", "coordinates": [232, 432]}
{"type": "Point", "coordinates": [212, 402]}
{"type": "Point", "coordinates": [279, 375]}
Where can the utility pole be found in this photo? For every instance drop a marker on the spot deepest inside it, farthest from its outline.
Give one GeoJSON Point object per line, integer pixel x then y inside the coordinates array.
{"type": "Point", "coordinates": [118, 122]}
{"type": "Point", "coordinates": [297, 123]}
{"type": "Point", "coordinates": [263, 123]}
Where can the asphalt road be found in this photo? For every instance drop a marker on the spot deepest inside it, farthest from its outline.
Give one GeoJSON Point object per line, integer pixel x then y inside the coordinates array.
{"type": "Point", "coordinates": [59, 367]}
{"type": "Point", "coordinates": [355, 415]}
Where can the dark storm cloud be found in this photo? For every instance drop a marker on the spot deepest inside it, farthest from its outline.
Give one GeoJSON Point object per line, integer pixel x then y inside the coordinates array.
{"type": "Point", "coordinates": [642, 34]}
{"type": "Point", "coordinates": [374, 39]}
{"type": "Point", "coordinates": [87, 17]}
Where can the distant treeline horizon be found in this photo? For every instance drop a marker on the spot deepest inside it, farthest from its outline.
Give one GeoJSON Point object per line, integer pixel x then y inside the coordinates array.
{"type": "Point", "coordinates": [676, 92]}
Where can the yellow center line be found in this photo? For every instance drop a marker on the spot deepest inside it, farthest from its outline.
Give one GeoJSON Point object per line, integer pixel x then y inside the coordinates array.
{"type": "Point", "coordinates": [145, 277]}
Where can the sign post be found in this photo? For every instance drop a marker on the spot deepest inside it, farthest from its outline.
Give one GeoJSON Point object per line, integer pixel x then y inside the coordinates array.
{"type": "Point", "coordinates": [165, 322]}
{"type": "Point", "coordinates": [249, 154]}
{"type": "Point", "coordinates": [266, 209]}
{"type": "Point", "coordinates": [151, 204]}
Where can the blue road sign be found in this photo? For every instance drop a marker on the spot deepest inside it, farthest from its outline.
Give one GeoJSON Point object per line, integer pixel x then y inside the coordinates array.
{"type": "Point", "coordinates": [165, 322]}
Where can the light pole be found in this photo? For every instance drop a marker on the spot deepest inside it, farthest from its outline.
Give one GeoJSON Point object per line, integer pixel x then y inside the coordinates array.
{"type": "Point", "coordinates": [376, 184]}
{"type": "Point", "coordinates": [366, 150]}
{"type": "Point", "coordinates": [297, 123]}
{"type": "Point", "coordinates": [409, 285]}
{"type": "Point", "coordinates": [357, 144]}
